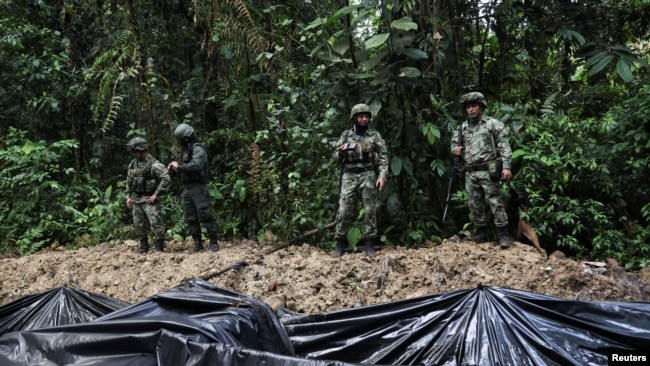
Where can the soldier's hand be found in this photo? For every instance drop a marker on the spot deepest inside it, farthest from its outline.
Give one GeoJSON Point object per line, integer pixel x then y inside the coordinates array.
{"type": "Point", "coordinates": [173, 166]}
{"type": "Point", "coordinates": [129, 203]}
{"type": "Point", "coordinates": [458, 150]}
{"type": "Point", "coordinates": [152, 199]}
{"type": "Point", "coordinates": [380, 184]}
{"type": "Point", "coordinates": [506, 174]}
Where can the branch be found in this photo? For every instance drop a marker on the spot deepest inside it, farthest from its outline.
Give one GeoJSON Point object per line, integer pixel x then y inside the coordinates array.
{"type": "Point", "coordinates": [213, 273]}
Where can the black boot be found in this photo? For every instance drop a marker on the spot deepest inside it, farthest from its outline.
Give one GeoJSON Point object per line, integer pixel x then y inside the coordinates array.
{"type": "Point", "coordinates": [198, 246]}
{"type": "Point", "coordinates": [144, 246]}
{"type": "Point", "coordinates": [159, 245]}
{"type": "Point", "coordinates": [214, 246]}
{"type": "Point", "coordinates": [504, 237]}
{"type": "Point", "coordinates": [369, 248]}
{"type": "Point", "coordinates": [481, 234]}
{"type": "Point", "coordinates": [341, 244]}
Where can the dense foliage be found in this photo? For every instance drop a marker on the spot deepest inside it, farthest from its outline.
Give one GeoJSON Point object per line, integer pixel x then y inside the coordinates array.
{"type": "Point", "coordinates": [268, 88]}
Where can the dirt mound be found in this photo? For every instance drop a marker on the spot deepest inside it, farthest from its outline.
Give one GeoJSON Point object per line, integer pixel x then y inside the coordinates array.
{"type": "Point", "coordinates": [305, 279]}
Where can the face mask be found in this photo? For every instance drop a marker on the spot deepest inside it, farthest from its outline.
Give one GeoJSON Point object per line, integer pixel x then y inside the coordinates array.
{"type": "Point", "coordinates": [360, 129]}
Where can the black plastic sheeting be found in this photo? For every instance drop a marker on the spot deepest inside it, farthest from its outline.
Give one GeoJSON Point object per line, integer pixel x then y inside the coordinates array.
{"type": "Point", "coordinates": [197, 323]}
{"type": "Point", "coordinates": [59, 306]}
{"type": "Point", "coordinates": [483, 326]}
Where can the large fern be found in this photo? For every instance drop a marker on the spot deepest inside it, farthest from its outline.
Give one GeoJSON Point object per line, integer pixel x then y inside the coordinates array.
{"type": "Point", "coordinates": [113, 66]}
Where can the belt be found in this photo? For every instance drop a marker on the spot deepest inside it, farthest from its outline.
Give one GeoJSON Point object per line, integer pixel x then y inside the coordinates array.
{"type": "Point", "coordinates": [476, 167]}
{"type": "Point", "coordinates": [359, 170]}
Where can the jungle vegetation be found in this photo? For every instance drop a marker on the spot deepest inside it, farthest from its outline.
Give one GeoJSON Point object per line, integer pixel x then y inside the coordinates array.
{"type": "Point", "coordinates": [268, 87]}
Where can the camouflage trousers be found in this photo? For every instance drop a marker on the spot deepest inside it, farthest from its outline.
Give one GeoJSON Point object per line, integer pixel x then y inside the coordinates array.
{"type": "Point", "coordinates": [354, 185]}
{"type": "Point", "coordinates": [481, 189]}
{"type": "Point", "coordinates": [197, 208]}
{"type": "Point", "coordinates": [146, 216]}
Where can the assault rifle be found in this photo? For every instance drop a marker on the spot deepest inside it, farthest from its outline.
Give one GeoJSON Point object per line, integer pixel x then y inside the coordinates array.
{"type": "Point", "coordinates": [456, 174]}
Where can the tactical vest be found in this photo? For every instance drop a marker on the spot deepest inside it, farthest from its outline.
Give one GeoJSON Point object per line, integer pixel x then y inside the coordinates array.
{"type": "Point", "coordinates": [204, 175]}
{"type": "Point", "coordinates": [363, 151]}
{"type": "Point", "coordinates": [140, 179]}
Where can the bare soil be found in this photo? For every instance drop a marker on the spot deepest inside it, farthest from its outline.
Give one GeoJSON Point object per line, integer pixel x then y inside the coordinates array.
{"type": "Point", "coordinates": [305, 279]}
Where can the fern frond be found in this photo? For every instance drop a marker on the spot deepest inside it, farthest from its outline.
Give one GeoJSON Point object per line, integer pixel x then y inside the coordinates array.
{"type": "Point", "coordinates": [242, 11]}
{"type": "Point", "coordinates": [111, 116]}
{"type": "Point", "coordinates": [255, 169]}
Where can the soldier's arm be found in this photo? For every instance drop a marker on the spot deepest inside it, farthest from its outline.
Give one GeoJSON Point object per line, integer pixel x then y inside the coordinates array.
{"type": "Point", "coordinates": [199, 158]}
{"type": "Point", "coordinates": [163, 176]}
{"type": "Point", "coordinates": [382, 165]}
{"type": "Point", "coordinates": [336, 156]}
{"type": "Point", "coordinates": [502, 144]}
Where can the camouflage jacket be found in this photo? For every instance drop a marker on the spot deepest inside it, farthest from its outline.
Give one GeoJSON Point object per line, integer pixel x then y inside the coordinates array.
{"type": "Point", "coordinates": [368, 150]}
{"type": "Point", "coordinates": [478, 144]}
{"type": "Point", "coordinates": [146, 178]}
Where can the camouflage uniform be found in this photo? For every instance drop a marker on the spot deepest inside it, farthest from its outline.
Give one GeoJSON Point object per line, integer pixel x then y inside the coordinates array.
{"type": "Point", "coordinates": [366, 157]}
{"type": "Point", "coordinates": [477, 151]}
{"type": "Point", "coordinates": [144, 179]}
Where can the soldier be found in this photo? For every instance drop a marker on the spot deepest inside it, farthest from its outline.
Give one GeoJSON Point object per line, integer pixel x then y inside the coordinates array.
{"type": "Point", "coordinates": [194, 169]}
{"type": "Point", "coordinates": [484, 139]}
{"type": "Point", "coordinates": [146, 179]}
{"type": "Point", "coordinates": [362, 153]}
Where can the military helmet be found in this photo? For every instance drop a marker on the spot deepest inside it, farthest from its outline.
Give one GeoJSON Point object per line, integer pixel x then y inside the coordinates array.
{"type": "Point", "coordinates": [473, 97]}
{"type": "Point", "coordinates": [360, 108]}
{"type": "Point", "coordinates": [138, 143]}
{"type": "Point", "coordinates": [183, 130]}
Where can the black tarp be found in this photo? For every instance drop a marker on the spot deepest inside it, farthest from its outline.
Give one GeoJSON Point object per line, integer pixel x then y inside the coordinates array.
{"type": "Point", "coordinates": [197, 323]}
{"type": "Point", "coordinates": [481, 326]}
{"type": "Point", "coordinates": [59, 306]}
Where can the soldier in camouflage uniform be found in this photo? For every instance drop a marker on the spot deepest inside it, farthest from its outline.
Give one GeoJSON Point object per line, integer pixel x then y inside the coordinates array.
{"type": "Point", "coordinates": [193, 167]}
{"type": "Point", "coordinates": [483, 139]}
{"type": "Point", "coordinates": [146, 180]}
{"type": "Point", "coordinates": [363, 154]}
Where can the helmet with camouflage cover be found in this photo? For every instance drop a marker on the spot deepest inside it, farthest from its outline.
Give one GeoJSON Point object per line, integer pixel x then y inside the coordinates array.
{"type": "Point", "coordinates": [360, 108]}
{"type": "Point", "coordinates": [138, 143]}
{"type": "Point", "coordinates": [473, 97]}
{"type": "Point", "coordinates": [183, 130]}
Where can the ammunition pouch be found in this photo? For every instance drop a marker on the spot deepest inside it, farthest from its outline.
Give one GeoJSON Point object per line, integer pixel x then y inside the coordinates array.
{"type": "Point", "coordinates": [494, 168]}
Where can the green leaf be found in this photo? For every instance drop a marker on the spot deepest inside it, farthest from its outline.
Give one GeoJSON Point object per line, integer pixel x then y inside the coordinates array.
{"type": "Point", "coordinates": [624, 71]}
{"type": "Point", "coordinates": [396, 165]}
{"type": "Point", "coordinates": [341, 45]}
{"type": "Point", "coordinates": [316, 23]}
{"type": "Point", "coordinates": [377, 40]}
{"type": "Point", "coordinates": [595, 58]}
{"type": "Point", "coordinates": [600, 65]}
{"type": "Point", "coordinates": [405, 23]}
{"type": "Point", "coordinates": [341, 12]}
{"type": "Point", "coordinates": [361, 76]}
{"type": "Point", "coordinates": [431, 131]}
{"type": "Point", "coordinates": [354, 236]}
{"type": "Point", "coordinates": [518, 153]}
{"type": "Point", "coordinates": [370, 63]}
{"type": "Point", "coordinates": [569, 35]}
{"type": "Point", "coordinates": [408, 166]}
{"type": "Point", "coordinates": [415, 53]}
{"type": "Point", "coordinates": [408, 72]}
